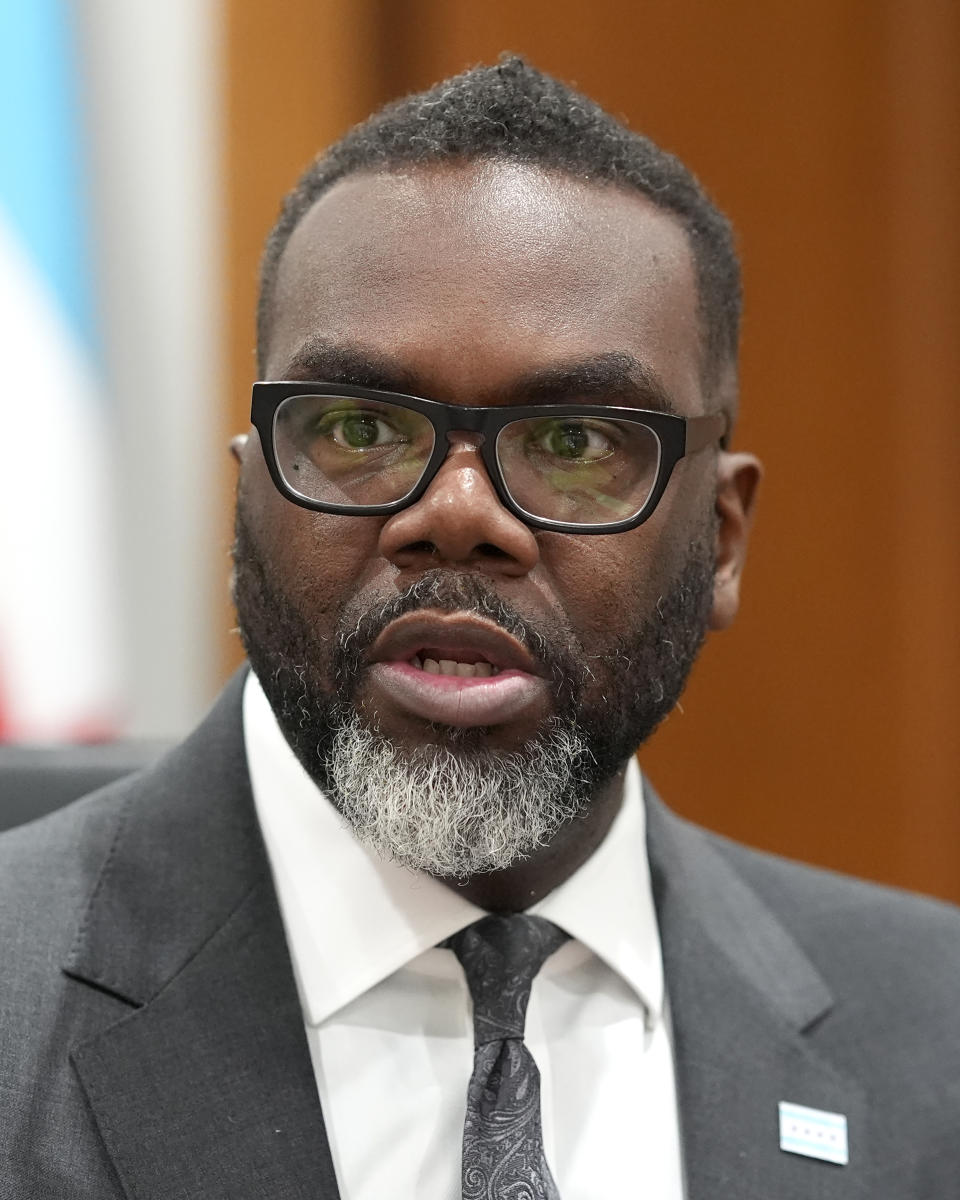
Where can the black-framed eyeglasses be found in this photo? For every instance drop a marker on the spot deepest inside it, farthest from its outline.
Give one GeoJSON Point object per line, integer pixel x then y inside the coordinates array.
{"type": "Point", "coordinates": [574, 468]}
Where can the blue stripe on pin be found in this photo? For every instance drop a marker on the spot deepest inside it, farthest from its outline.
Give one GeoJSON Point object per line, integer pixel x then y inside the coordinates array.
{"type": "Point", "coordinates": [813, 1133]}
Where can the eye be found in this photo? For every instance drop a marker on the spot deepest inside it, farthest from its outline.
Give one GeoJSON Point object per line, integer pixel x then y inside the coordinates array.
{"type": "Point", "coordinates": [360, 430]}
{"type": "Point", "coordinates": [575, 440]}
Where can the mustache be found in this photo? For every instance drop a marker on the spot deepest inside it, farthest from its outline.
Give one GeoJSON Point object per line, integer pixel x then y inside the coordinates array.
{"type": "Point", "coordinates": [448, 592]}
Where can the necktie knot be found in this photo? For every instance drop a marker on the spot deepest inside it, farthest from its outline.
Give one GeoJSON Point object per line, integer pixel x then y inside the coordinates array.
{"type": "Point", "coordinates": [500, 956]}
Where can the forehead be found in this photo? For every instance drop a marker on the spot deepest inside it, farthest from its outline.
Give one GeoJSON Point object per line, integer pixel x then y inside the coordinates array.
{"type": "Point", "coordinates": [467, 277]}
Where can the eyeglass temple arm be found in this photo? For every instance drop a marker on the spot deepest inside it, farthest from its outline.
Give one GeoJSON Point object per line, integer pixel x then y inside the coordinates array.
{"type": "Point", "coordinates": [704, 431]}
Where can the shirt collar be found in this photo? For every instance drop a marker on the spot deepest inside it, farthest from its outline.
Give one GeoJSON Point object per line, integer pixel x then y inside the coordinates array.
{"type": "Point", "coordinates": [607, 903]}
{"type": "Point", "coordinates": [352, 918]}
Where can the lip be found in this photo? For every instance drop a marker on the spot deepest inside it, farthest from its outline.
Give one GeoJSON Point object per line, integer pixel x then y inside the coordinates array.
{"type": "Point", "coordinates": [516, 691]}
{"type": "Point", "coordinates": [452, 634]}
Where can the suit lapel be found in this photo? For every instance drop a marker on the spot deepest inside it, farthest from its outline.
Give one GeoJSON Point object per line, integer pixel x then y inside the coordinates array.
{"type": "Point", "coordinates": [744, 1002]}
{"type": "Point", "coordinates": [205, 1088]}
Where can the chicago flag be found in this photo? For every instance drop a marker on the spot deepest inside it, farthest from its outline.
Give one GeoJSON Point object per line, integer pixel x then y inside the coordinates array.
{"type": "Point", "coordinates": [58, 635]}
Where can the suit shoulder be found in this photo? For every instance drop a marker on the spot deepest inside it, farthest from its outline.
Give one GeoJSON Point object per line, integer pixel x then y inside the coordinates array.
{"type": "Point", "coordinates": [49, 866]}
{"type": "Point", "coordinates": [822, 887]}
{"type": "Point", "coordinates": [851, 925]}
{"type": "Point", "coordinates": [91, 817]}
{"type": "Point", "coordinates": [48, 873]}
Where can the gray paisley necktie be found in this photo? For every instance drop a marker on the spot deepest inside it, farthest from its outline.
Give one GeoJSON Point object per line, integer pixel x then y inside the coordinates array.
{"type": "Point", "coordinates": [503, 1155]}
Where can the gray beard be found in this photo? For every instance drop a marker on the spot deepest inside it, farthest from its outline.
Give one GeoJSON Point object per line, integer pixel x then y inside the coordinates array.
{"type": "Point", "coordinates": [451, 813]}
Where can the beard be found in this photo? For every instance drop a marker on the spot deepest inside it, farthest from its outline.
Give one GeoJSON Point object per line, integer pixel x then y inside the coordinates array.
{"type": "Point", "coordinates": [452, 805]}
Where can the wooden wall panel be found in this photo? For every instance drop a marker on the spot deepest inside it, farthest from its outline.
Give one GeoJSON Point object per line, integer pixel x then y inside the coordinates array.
{"type": "Point", "coordinates": [297, 76]}
{"type": "Point", "coordinates": [823, 725]}
{"type": "Point", "coordinates": [924, 362]}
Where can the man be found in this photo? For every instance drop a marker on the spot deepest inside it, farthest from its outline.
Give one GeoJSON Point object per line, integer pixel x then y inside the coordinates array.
{"type": "Point", "coordinates": [485, 519]}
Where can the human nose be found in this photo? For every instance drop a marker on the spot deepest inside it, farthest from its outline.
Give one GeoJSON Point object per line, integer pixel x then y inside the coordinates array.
{"type": "Point", "coordinates": [460, 520]}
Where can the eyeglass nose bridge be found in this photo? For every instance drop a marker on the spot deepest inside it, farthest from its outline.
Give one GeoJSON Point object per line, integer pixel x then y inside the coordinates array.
{"type": "Point", "coordinates": [466, 439]}
{"type": "Point", "coordinates": [470, 435]}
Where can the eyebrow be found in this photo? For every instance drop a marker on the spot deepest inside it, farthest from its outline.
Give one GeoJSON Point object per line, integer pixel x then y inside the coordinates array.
{"type": "Point", "coordinates": [611, 377]}
{"type": "Point", "coordinates": [321, 360]}
{"type": "Point", "coordinates": [614, 376]}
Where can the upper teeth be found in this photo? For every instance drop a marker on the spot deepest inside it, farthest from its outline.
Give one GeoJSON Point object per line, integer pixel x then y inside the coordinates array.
{"type": "Point", "coordinates": [448, 666]}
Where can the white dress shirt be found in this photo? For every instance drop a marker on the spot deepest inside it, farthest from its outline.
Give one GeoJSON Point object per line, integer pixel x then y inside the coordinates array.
{"type": "Point", "coordinates": [388, 1016]}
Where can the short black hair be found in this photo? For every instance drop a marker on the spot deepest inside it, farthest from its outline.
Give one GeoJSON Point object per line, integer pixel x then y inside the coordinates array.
{"type": "Point", "coordinates": [513, 112]}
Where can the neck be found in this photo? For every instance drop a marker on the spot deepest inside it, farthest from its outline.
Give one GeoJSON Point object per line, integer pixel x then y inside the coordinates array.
{"type": "Point", "coordinates": [518, 887]}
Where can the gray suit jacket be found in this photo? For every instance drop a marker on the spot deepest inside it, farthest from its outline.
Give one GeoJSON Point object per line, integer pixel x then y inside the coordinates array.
{"type": "Point", "coordinates": [152, 1047]}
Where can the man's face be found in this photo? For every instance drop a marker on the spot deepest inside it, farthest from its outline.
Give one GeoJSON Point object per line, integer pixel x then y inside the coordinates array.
{"type": "Point", "coordinates": [483, 284]}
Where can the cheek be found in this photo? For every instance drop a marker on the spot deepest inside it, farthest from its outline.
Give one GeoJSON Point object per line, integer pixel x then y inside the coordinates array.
{"type": "Point", "coordinates": [329, 560]}
{"type": "Point", "coordinates": [608, 586]}
{"type": "Point", "coordinates": [319, 560]}
{"type": "Point", "coordinates": [604, 587]}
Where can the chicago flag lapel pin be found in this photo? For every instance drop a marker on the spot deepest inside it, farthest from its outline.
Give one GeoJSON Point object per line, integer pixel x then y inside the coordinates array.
{"type": "Point", "coordinates": [813, 1132]}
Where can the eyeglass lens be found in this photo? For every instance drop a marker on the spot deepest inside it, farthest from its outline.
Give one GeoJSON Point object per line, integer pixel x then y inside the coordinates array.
{"type": "Point", "coordinates": [358, 452]}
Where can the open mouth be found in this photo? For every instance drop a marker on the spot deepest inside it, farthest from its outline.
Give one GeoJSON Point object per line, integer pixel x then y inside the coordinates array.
{"type": "Point", "coordinates": [433, 662]}
{"type": "Point", "coordinates": [454, 669]}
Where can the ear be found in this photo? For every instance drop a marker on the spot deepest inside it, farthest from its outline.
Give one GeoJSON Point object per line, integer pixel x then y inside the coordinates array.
{"type": "Point", "coordinates": [737, 478]}
{"type": "Point", "coordinates": [237, 445]}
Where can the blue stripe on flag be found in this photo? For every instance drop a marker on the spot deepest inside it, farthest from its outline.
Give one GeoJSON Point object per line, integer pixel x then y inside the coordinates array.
{"type": "Point", "coordinates": [41, 179]}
